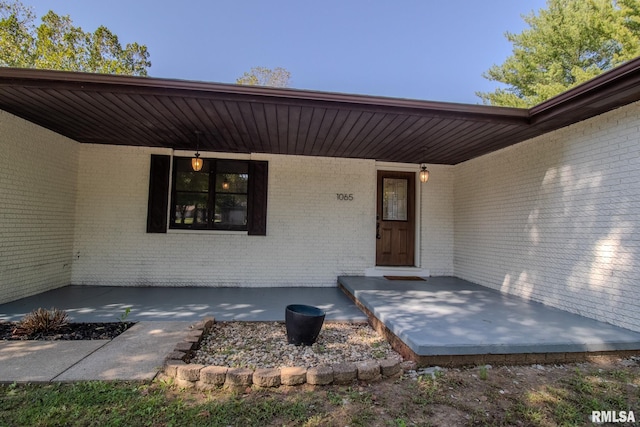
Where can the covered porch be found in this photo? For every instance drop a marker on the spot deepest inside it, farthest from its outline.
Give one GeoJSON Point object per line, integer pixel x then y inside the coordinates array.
{"type": "Point", "coordinates": [540, 203]}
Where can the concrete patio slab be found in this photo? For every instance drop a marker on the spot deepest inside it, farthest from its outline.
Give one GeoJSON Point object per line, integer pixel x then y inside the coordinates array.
{"type": "Point", "coordinates": [108, 303]}
{"type": "Point", "coordinates": [450, 316]}
{"type": "Point", "coordinates": [42, 361]}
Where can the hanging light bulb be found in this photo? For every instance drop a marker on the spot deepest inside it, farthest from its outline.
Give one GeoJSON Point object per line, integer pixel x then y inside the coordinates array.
{"type": "Point", "coordinates": [424, 174]}
{"type": "Point", "coordinates": [196, 161]}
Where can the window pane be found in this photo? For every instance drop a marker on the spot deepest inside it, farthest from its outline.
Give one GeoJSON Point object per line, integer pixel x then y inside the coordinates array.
{"type": "Point", "coordinates": [394, 204]}
{"type": "Point", "coordinates": [189, 180]}
{"type": "Point", "coordinates": [231, 183]}
{"type": "Point", "coordinates": [191, 209]}
{"type": "Point", "coordinates": [192, 181]}
{"type": "Point", "coordinates": [232, 166]}
{"type": "Point", "coordinates": [231, 211]}
{"type": "Point", "coordinates": [183, 164]}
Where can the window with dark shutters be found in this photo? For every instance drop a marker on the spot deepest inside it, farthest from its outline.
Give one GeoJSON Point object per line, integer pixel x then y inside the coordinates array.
{"type": "Point", "coordinates": [224, 195]}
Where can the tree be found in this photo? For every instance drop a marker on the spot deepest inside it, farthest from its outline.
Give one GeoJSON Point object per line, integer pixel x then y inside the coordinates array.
{"type": "Point", "coordinates": [568, 43]}
{"type": "Point", "coordinates": [58, 45]}
{"type": "Point", "coordinates": [261, 76]}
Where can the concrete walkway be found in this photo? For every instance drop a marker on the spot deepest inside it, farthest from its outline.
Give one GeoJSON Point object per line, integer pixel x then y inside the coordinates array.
{"type": "Point", "coordinates": [136, 354]}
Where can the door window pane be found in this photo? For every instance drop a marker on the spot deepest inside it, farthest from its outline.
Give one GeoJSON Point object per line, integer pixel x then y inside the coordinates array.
{"type": "Point", "coordinates": [394, 200]}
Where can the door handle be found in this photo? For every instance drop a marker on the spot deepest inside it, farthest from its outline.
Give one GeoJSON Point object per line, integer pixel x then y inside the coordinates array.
{"type": "Point", "coordinates": [378, 236]}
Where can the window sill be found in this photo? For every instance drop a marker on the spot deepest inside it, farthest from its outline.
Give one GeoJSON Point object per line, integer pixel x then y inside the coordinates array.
{"type": "Point", "coordinates": [208, 232]}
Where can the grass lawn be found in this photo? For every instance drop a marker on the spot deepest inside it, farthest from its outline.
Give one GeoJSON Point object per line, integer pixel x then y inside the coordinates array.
{"type": "Point", "coordinates": [494, 396]}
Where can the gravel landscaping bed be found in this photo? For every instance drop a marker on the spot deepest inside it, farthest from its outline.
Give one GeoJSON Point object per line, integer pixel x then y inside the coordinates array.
{"type": "Point", "coordinates": [258, 345]}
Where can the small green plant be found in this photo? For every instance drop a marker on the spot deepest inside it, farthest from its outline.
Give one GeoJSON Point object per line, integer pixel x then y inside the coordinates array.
{"type": "Point", "coordinates": [581, 384]}
{"type": "Point", "coordinates": [484, 373]}
{"type": "Point", "coordinates": [334, 398]}
{"type": "Point", "coordinates": [123, 319]}
{"type": "Point", "coordinates": [125, 315]}
{"type": "Point", "coordinates": [358, 396]}
{"type": "Point", "coordinates": [41, 321]}
{"type": "Point", "coordinates": [400, 422]}
{"type": "Point", "coordinates": [620, 375]}
{"type": "Point", "coordinates": [378, 354]}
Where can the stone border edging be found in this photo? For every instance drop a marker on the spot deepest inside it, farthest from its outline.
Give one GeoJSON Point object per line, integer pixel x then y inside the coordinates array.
{"type": "Point", "coordinates": [204, 377]}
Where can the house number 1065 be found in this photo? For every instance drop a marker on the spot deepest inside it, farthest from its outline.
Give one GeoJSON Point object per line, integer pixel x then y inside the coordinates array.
{"type": "Point", "coordinates": [345, 197]}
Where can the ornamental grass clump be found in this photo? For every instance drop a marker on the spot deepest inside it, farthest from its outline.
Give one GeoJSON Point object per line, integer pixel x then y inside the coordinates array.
{"type": "Point", "coordinates": [41, 321]}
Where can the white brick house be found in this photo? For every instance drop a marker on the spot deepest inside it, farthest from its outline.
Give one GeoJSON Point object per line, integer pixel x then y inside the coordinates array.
{"type": "Point", "coordinates": [541, 203]}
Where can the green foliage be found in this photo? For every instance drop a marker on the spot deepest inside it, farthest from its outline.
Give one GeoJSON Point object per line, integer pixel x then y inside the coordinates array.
{"type": "Point", "coordinates": [262, 76]}
{"type": "Point", "coordinates": [123, 317]}
{"type": "Point", "coordinates": [484, 373]}
{"type": "Point", "coordinates": [16, 36]}
{"type": "Point", "coordinates": [124, 325]}
{"type": "Point", "coordinates": [56, 44]}
{"type": "Point", "coordinates": [400, 422]}
{"type": "Point", "coordinates": [568, 43]}
{"type": "Point", "coordinates": [571, 399]}
{"type": "Point", "coordinates": [41, 321]}
{"type": "Point", "coordinates": [557, 396]}
{"type": "Point", "coordinates": [127, 404]}
{"type": "Point", "coordinates": [334, 398]}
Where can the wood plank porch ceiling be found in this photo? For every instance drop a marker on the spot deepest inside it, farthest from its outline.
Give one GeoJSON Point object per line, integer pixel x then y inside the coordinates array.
{"type": "Point", "coordinates": [123, 110]}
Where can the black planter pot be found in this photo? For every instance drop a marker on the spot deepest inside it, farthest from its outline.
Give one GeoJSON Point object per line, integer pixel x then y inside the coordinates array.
{"type": "Point", "coordinates": [303, 323]}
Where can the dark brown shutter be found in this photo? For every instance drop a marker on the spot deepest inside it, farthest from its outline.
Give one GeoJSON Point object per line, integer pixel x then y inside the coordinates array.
{"type": "Point", "coordinates": [257, 198]}
{"type": "Point", "coordinates": [158, 194]}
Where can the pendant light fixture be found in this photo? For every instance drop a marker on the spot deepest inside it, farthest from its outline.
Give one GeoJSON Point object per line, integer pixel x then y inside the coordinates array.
{"type": "Point", "coordinates": [424, 174]}
{"type": "Point", "coordinates": [196, 161]}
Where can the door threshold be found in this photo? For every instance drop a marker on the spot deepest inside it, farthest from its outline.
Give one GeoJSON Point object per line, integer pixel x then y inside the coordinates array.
{"type": "Point", "coordinates": [396, 271]}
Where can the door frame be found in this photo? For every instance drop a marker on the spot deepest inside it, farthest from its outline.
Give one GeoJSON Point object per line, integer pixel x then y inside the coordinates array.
{"type": "Point", "coordinates": [401, 167]}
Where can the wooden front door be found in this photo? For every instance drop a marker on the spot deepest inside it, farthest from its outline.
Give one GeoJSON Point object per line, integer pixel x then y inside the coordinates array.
{"type": "Point", "coordinates": [395, 227]}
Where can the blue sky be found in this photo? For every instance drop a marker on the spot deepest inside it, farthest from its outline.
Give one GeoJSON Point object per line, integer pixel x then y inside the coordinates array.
{"type": "Point", "coordinates": [432, 50]}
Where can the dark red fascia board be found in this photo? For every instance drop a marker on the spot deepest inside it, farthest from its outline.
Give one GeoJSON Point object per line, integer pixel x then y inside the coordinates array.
{"type": "Point", "coordinates": [610, 90]}
{"type": "Point", "coordinates": [145, 85]}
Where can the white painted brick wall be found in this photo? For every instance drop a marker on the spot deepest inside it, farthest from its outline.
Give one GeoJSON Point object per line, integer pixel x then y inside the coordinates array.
{"type": "Point", "coordinates": [437, 221]}
{"type": "Point", "coordinates": [37, 201]}
{"type": "Point", "coordinates": [312, 236]}
{"type": "Point", "coordinates": [557, 219]}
